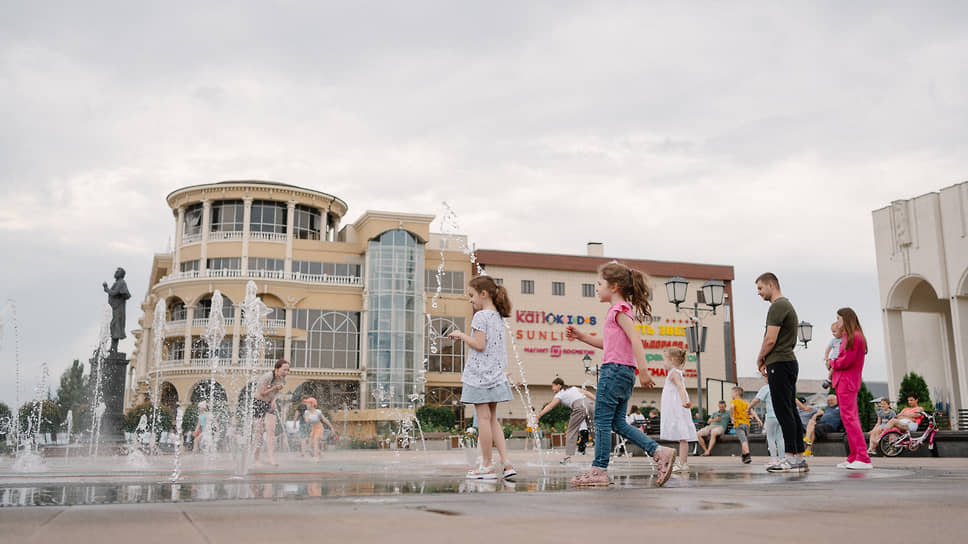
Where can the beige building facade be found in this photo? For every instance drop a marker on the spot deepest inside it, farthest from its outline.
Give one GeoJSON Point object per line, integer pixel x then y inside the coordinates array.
{"type": "Point", "coordinates": [358, 309]}
{"type": "Point", "coordinates": [922, 268]}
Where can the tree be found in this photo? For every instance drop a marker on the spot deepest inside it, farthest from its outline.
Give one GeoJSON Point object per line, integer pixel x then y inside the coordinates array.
{"type": "Point", "coordinates": [189, 418]}
{"type": "Point", "coordinates": [913, 383]}
{"type": "Point", "coordinates": [6, 423]}
{"type": "Point", "coordinates": [50, 416]}
{"type": "Point", "coordinates": [72, 395]}
{"type": "Point", "coordinates": [865, 407]}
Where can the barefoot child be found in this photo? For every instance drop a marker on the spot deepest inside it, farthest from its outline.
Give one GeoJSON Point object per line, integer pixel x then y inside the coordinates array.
{"type": "Point", "coordinates": [627, 293]}
{"type": "Point", "coordinates": [676, 423]}
{"type": "Point", "coordinates": [485, 383]}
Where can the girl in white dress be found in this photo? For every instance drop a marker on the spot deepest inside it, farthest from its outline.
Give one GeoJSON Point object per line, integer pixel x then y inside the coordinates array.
{"type": "Point", "coordinates": [676, 422]}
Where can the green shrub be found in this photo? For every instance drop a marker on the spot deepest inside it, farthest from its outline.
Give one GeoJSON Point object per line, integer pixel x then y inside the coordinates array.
{"type": "Point", "coordinates": [436, 417]}
{"type": "Point", "coordinates": [557, 419]}
{"type": "Point", "coordinates": [133, 416]}
{"type": "Point", "coordinates": [865, 407]}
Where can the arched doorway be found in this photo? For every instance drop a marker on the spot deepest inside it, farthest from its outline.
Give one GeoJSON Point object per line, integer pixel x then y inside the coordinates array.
{"type": "Point", "coordinates": [168, 397]}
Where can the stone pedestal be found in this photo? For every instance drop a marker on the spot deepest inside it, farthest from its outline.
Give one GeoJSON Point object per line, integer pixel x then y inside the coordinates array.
{"type": "Point", "coordinates": [115, 368]}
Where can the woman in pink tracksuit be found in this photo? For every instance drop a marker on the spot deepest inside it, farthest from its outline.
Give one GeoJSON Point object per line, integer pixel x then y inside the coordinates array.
{"type": "Point", "coordinates": [846, 378]}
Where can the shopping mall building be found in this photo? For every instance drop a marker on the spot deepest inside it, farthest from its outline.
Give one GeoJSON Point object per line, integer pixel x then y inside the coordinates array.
{"type": "Point", "coordinates": [358, 309]}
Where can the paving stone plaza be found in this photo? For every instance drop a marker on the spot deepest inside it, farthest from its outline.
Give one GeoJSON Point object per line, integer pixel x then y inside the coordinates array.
{"type": "Point", "coordinates": [416, 496]}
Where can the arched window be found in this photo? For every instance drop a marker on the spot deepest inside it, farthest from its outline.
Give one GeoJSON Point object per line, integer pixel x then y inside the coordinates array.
{"type": "Point", "coordinates": [444, 354]}
{"type": "Point", "coordinates": [204, 307]}
{"type": "Point", "coordinates": [332, 339]}
{"type": "Point", "coordinates": [177, 310]}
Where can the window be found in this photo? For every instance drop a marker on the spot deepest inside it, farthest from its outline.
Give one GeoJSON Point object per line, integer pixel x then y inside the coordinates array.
{"type": "Point", "coordinates": [330, 269]}
{"type": "Point", "coordinates": [444, 354]}
{"type": "Point", "coordinates": [588, 289]}
{"type": "Point", "coordinates": [527, 287]}
{"type": "Point", "coordinates": [227, 216]}
{"type": "Point", "coordinates": [266, 264]}
{"type": "Point", "coordinates": [558, 288]}
{"type": "Point", "coordinates": [177, 311]}
{"type": "Point", "coordinates": [200, 349]}
{"type": "Point", "coordinates": [332, 339]}
{"type": "Point", "coordinates": [176, 350]}
{"type": "Point", "coordinates": [188, 266]}
{"type": "Point", "coordinates": [306, 223]}
{"type": "Point", "coordinates": [193, 220]}
{"type": "Point", "coordinates": [224, 263]}
{"type": "Point", "coordinates": [204, 308]}
{"type": "Point", "coordinates": [451, 281]}
{"type": "Point", "coordinates": [268, 216]}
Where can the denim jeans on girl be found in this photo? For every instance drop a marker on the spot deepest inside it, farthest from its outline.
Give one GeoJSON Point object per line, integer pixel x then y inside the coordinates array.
{"type": "Point", "coordinates": [615, 384]}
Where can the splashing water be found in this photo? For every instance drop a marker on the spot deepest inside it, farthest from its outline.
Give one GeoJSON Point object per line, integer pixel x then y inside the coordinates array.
{"type": "Point", "coordinates": [254, 312]}
{"type": "Point", "coordinates": [214, 334]}
{"type": "Point", "coordinates": [101, 352]}
{"type": "Point", "coordinates": [176, 471]}
{"type": "Point", "coordinates": [449, 227]}
{"type": "Point", "coordinates": [28, 458]}
{"type": "Point", "coordinates": [10, 311]}
{"type": "Point", "coordinates": [158, 324]}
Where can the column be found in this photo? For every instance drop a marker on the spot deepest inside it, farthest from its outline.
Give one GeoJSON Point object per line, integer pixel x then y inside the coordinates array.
{"type": "Point", "coordinates": [959, 328]}
{"type": "Point", "coordinates": [206, 224]}
{"type": "Point", "coordinates": [179, 233]}
{"type": "Point", "coordinates": [287, 344]}
{"type": "Point", "coordinates": [246, 229]}
{"type": "Point", "coordinates": [290, 228]}
{"type": "Point", "coordinates": [362, 343]}
{"type": "Point", "coordinates": [189, 317]}
{"type": "Point", "coordinates": [894, 342]}
{"type": "Point", "coordinates": [236, 329]}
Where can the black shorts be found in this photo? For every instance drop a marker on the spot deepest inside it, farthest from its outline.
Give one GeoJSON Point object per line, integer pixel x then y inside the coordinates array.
{"type": "Point", "coordinates": [260, 408]}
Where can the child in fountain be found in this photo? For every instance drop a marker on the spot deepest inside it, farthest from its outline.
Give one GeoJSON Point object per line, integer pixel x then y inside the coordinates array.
{"type": "Point", "coordinates": [201, 427]}
{"type": "Point", "coordinates": [676, 423]}
{"type": "Point", "coordinates": [264, 409]}
{"type": "Point", "coordinates": [314, 417]}
{"type": "Point", "coordinates": [627, 292]}
{"type": "Point", "coordinates": [484, 381]}
{"type": "Point", "coordinates": [581, 411]}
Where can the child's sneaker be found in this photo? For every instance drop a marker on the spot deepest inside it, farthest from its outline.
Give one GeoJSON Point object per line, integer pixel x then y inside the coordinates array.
{"type": "Point", "coordinates": [509, 471]}
{"type": "Point", "coordinates": [680, 467]}
{"type": "Point", "coordinates": [808, 452]}
{"type": "Point", "coordinates": [747, 458]}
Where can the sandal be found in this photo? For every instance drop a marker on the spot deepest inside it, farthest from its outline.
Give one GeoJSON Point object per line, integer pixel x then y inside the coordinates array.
{"type": "Point", "coordinates": [593, 477]}
{"type": "Point", "coordinates": [509, 471]}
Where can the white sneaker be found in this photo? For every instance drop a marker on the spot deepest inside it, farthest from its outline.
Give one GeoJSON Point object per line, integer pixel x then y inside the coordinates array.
{"type": "Point", "coordinates": [843, 464]}
{"type": "Point", "coordinates": [859, 465]}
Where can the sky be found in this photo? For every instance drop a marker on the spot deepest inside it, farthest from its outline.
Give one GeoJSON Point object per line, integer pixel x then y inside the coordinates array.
{"type": "Point", "coordinates": [755, 134]}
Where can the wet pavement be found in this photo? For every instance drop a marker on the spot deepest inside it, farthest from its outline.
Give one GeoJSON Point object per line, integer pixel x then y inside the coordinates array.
{"type": "Point", "coordinates": [422, 496]}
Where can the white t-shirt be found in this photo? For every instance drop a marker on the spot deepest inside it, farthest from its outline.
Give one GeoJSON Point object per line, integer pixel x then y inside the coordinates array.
{"type": "Point", "coordinates": [569, 396]}
{"type": "Point", "coordinates": [485, 369]}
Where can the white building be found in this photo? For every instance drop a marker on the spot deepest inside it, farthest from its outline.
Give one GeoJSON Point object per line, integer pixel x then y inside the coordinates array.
{"type": "Point", "coordinates": [922, 267]}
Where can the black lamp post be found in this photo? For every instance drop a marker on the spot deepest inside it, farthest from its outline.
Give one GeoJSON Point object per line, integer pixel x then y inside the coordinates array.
{"type": "Point", "coordinates": [805, 332]}
{"type": "Point", "coordinates": [710, 295]}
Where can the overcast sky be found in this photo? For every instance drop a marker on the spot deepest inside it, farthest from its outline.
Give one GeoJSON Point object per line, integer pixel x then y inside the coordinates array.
{"type": "Point", "coordinates": [755, 134]}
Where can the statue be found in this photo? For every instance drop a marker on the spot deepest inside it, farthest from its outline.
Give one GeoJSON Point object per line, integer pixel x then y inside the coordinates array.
{"type": "Point", "coordinates": [118, 296]}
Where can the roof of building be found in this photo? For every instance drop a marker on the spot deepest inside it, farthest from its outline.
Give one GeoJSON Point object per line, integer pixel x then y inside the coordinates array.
{"type": "Point", "coordinates": [583, 263]}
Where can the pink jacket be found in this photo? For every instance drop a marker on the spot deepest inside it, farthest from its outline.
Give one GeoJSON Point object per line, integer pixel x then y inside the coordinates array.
{"type": "Point", "coordinates": [849, 365]}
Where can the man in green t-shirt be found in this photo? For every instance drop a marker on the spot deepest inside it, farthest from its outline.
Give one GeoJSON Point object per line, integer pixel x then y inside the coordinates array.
{"type": "Point", "coordinates": [778, 363]}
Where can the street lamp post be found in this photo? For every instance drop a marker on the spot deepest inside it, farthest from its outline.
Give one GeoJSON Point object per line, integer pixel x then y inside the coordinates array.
{"type": "Point", "coordinates": [710, 296]}
{"type": "Point", "coordinates": [587, 361]}
{"type": "Point", "coordinates": [805, 332]}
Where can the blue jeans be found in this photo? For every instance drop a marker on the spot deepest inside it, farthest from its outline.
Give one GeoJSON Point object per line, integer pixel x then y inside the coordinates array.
{"type": "Point", "coordinates": [615, 384]}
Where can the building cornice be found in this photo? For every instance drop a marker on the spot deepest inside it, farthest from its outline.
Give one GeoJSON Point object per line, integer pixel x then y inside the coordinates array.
{"type": "Point", "coordinates": [581, 263]}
